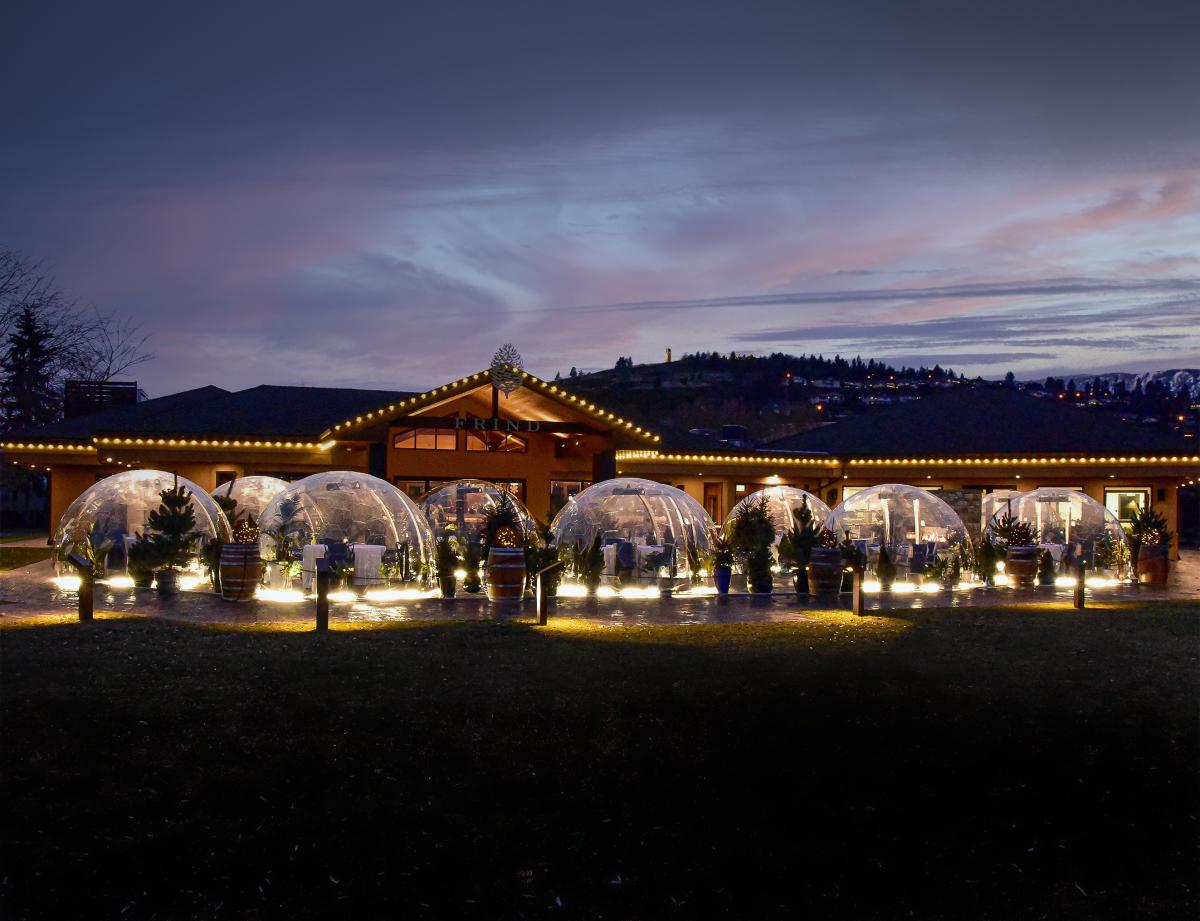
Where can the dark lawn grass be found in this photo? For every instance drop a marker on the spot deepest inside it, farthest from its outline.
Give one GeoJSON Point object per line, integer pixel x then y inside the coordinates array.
{"type": "Point", "coordinates": [15, 557]}
{"type": "Point", "coordinates": [959, 765]}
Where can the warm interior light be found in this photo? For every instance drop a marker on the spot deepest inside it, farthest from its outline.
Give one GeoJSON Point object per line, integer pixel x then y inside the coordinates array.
{"type": "Point", "coordinates": [67, 583]}
{"type": "Point", "coordinates": [872, 585]}
{"type": "Point", "coordinates": [930, 588]}
{"type": "Point", "coordinates": [119, 582]}
{"type": "Point", "coordinates": [343, 595]}
{"type": "Point", "coordinates": [904, 588]}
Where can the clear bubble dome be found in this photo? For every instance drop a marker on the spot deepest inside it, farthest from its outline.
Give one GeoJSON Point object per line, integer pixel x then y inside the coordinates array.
{"type": "Point", "coordinates": [785, 504]}
{"type": "Point", "coordinates": [638, 519]}
{"type": "Point", "coordinates": [913, 524]}
{"type": "Point", "coordinates": [119, 507]}
{"type": "Point", "coordinates": [1067, 521]}
{"type": "Point", "coordinates": [343, 507]}
{"type": "Point", "coordinates": [251, 493]}
{"type": "Point", "coordinates": [458, 509]}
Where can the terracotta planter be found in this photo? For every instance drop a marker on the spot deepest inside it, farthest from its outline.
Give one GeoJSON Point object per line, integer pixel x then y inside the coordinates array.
{"type": "Point", "coordinates": [506, 575]}
{"type": "Point", "coordinates": [1021, 565]}
{"type": "Point", "coordinates": [241, 571]}
{"type": "Point", "coordinates": [1154, 564]}
{"type": "Point", "coordinates": [824, 571]}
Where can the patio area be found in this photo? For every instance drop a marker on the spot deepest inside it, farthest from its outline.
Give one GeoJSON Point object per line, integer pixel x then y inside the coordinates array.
{"type": "Point", "coordinates": [29, 592]}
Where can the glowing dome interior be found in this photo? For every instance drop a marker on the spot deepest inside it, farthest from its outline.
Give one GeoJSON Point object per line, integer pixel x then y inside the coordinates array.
{"type": "Point", "coordinates": [1068, 523]}
{"type": "Point", "coordinates": [784, 504]}
{"type": "Point", "coordinates": [913, 524]}
{"type": "Point", "coordinates": [645, 528]}
{"type": "Point", "coordinates": [458, 508]}
{"type": "Point", "coordinates": [345, 507]}
{"type": "Point", "coordinates": [251, 493]}
{"type": "Point", "coordinates": [119, 508]}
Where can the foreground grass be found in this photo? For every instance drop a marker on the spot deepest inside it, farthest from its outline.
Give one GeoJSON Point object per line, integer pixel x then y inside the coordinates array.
{"type": "Point", "coordinates": [16, 557]}
{"type": "Point", "coordinates": [972, 764]}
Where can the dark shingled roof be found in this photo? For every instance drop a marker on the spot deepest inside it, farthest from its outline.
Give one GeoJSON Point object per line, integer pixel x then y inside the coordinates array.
{"type": "Point", "coordinates": [983, 421]}
{"type": "Point", "coordinates": [265, 411]}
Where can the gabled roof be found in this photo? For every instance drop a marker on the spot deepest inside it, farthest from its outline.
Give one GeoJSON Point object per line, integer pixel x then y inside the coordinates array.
{"type": "Point", "coordinates": [408, 404]}
{"type": "Point", "coordinates": [971, 421]}
{"type": "Point", "coordinates": [265, 411]}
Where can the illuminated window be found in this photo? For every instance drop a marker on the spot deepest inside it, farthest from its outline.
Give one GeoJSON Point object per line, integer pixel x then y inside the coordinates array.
{"type": "Point", "coordinates": [426, 440]}
{"type": "Point", "coordinates": [1124, 502]}
{"type": "Point", "coordinates": [502, 442]}
{"type": "Point", "coordinates": [563, 490]}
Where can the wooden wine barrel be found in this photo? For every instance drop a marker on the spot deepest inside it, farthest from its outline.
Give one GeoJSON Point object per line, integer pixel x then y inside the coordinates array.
{"type": "Point", "coordinates": [825, 571]}
{"type": "Point", "coordinates": [1021, 565]}
{"type": "Point", "coordinates": [506, 574]}
{"type": "Point", "coordinates": [1154, 564]}
{"type": "Point", "coordinates": [241, 571]}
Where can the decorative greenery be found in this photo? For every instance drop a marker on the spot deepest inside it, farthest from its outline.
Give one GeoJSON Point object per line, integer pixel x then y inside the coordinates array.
{"type": "Point", "coordinates": [757, 566]}
{"type": "Point", "coordinates": [445, 562]}
{"type": "Point", "coordinates": [1047, 569]}
{"type": "Point", "coordinates": [540, 554]}
{"type": "Point", "coordinates": [472, 557]}
{"type": "Point", "coordinates": [1147, 528]}
{"type": "Point", "coordinates": [589, 564]}
{"type": "Point", "coordinates": [1014, 532]}
{"type": "Point", "coordinates": [885, 569]}
{"type": "Point", "coordinates": [145, 556]}
{"type": "Point", "coordinates": [173, 526]}
{"type": "Point", "coordinates": [506, 368]}
{"type": "Point", "coordinates": [752, 531]}
{"type": "Point", "coordinates": [502, 525]}
{"type": "Point", "coordinates": [796, 545]}
{"type": "Point", "coordinates": [987, 556]}
{"type": "Point", "coordinates": [852, 558]}
{"type": "Point", "coordinates": [721, 550]}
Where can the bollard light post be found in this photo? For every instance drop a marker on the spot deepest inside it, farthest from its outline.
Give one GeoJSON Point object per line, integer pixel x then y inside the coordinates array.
{"type": "Point", "coordinates": [87, 585]}
{"type": "Point", "coordinates": [1080, 601]}
{"type": "Point", "coordinates": [322, 590]}
{"type": "Point", "coordinates": [857, 600]}
{"type": "Point", "coordinates": [541, 599]}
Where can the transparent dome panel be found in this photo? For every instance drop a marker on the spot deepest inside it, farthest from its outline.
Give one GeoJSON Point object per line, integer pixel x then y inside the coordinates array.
{"type": "Point", "coordinates": [348, 513]}
{"type": "Point", "coordinates": [646, 530]}
{"type": "Point", "coordinates": [117, 509]}
{"type": "Point", "coordinates": [913, 525]}
{"type": "Point", "coordinates": [459, 509]}
{"type": "Point", "coordinates": [251, 493]}
{"type": "Point", "coordinates": [786, 505]}
{"type": "Point", "coordinates": [1070, 524]}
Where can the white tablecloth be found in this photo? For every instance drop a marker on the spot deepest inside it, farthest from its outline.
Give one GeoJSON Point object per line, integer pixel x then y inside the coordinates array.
{"type": "Point", "coordinates": [610, 559]}
{"type": "Point", "coordinates": [367, 560]}
{"type": "Point", "coordinates": [309, 554]}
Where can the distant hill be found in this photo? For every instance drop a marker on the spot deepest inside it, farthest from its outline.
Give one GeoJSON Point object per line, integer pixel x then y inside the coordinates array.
{"type": "Point", "coordinates": [769, 396]}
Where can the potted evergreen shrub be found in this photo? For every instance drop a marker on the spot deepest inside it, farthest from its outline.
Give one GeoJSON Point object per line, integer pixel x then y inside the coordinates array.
{"type": "Point", "coordinates": [445, 562]}
{"type": "Point", "coordinates": [472, 557]}
{"type": "Point", "coordinates": [752, 535]}
{"type": "Point", "coordinates": [796, 546]}
{"type": "Point", "coordinates": [987, 557]}
{"type": "Point", "coordinates": [173, 529]}
{"type": "Point", "coordinates": [1019, 539]}
{"type": "Point", "coordinates": [589, 565]}
{"type": "Point", "coordinates": [1047, 571]}
{"type": "Point", "coordinates": [1150, 546]}
{"type": "Point", "coordinates": [144, 557]}
{"type": "Point", "coordinates": [722, 563]}
{"type": "Point", "coordinates": [885, 569]}
{"type": "Point", "coordinates": [854, 561]}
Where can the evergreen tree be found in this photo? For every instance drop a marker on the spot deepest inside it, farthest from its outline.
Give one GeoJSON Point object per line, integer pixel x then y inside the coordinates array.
{"type": "Point", "coordinates": [28, 396]}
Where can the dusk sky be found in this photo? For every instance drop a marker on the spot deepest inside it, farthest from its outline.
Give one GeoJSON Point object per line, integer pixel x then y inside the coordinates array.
{"type": "Point", "coordinates": [379, 195]}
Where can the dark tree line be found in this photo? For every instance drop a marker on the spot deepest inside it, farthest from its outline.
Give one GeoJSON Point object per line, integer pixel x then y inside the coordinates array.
{"type": "Point", "coordinates": [48, 338]}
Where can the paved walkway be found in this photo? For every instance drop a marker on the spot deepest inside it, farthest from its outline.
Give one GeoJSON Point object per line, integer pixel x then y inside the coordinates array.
{"type": "Point", "coordinates": [29, 592]}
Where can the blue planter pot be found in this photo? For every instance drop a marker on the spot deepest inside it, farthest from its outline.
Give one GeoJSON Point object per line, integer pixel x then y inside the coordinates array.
{"type": "Point", "coordinates": [721, 576]}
